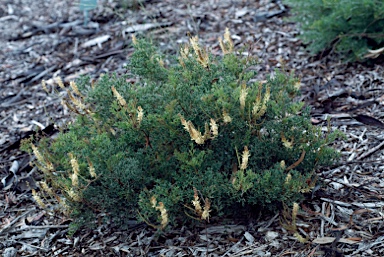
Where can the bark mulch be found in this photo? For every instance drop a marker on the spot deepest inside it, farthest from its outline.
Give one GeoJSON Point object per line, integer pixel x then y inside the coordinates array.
{"type": "Point", "coordinates": [46, 39]}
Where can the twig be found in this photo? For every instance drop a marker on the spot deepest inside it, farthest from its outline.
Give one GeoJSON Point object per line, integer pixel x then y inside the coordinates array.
{"type": "Point", "coordinates": [233, 247]}
{"type": "Point", "coordinates": [4, 229]}
{"type": "Point", "coordinates": [42, 227]}
{"type": "Point", "coordinates": [374, 149]}
{"type": "Point", "coordinates": [294, 165]}
{"type": "Point", "coordinates": [35, 246]}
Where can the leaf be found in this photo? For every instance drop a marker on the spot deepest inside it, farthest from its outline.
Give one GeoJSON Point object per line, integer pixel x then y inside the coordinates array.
{"type": "Point", "coordinates": [328, 240]}
{"type": "Point", "coordinates": [374, 53]}
{"type": "Point", "coordinates": [96, 41]}
{"type": "Point", "coordinates": [367, 120]}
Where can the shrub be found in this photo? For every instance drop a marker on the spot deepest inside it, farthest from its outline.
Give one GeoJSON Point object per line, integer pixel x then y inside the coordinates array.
{"type": "Point", "coordinates": [195, 138]}
{"type": "Point", "coordinates": [349, 27]}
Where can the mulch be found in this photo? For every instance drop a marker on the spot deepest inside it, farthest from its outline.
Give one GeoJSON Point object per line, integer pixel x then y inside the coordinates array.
{"type": "Point", "coordinates": [47, 39]}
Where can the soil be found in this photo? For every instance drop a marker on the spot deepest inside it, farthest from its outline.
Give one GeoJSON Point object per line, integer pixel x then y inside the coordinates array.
{"type": "Point", "coordinates": [49, 39]}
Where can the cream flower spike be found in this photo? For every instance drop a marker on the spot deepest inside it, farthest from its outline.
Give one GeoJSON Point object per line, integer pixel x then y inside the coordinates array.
{"type": "Point", "coordinates": [193, 132]}
{"type": "Point", "coordinates": [226, 45]}
{"type": "Point", "coordinates": [207, 210]}
{"type": "Point", "coordinates": [214, 128]}
{"type": "Point", "coordinates": [243, 95]}
{"type": "Point", "coordinates": [140, 114]}
{"type": "Point", "coordinates": [119, 98]}
{"type": "Point", "coordinates": [244, 159]}
{"type": "Point", "coordinates": [134, 39]}
{"type": "Point", "coordinates": [201, 55]}
{"type": "Point", "coordinates": [226, 117]}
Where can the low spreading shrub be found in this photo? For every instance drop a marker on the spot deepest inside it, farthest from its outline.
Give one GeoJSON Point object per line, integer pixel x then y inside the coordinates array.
{"type": "Point", "coordinates": [349, 27]}
{"type": "Point", "coordinates": [191, 138]}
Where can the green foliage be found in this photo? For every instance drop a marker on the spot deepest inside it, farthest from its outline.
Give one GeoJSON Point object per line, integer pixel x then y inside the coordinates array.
{"type": "Point", "coordinates": [350, 27]}
{"type": "Point", "coordinates": [196, 130]}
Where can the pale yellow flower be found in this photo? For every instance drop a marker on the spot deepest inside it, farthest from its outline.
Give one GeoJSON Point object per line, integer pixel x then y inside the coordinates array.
{"type": "Point", "coordinates": [207, 210]}
{"type": "Point", "coordinates": [38, 155]}
{"type": "Point", "coordinates": [214, 128]}
{"type": "Point", "coordinates": [92, 170]}
{"type": "Point", "coordinates": [184, 122]}
{"type": "Point", "coordinates": [244, 159]}
{"type": "Point", "coordinates": [195, 134]}
{"type": "Point", "coordinates": [153, 201]}
{"type": "Point", "coordinates": [288, 178]}
{"type": "Point", "coordinates": [74, 164]}
{"type": "Point", "coordinates": [46, 188]}
{"type": "Point", "coordinates": [38, 200]}
{"type": "Point", "coordinates": [163, 211]}
{"type": "Point", "coordinates": [60, 82]}
{"type": "Point", "coordinates": [226, 117]}
{"type": "Point", "coordinates": [46, 165]}
{"type": "Point", "coordinates": [265, 101]}
{"type": "Point", "coordinates": [256, 106]}
{"type": "Point", "coordinates": [160, 62]}
{"type": "Point", "coordinates": [226, 45]}
{"type": "Point", "coordinates": [134, 39]}
{"type": "Point", "coordinates": [295, 211]}
{"type": "Point", "coordinates": [259, 108]}
{"type": "Point", "coordinates": [49, 165]}
{"type": "Point", "coordinates": [140, 114]}
{"type": "Point", "coordinates": [75, 89]}
{"type": "Point", "coordinates": [297, 85]}
{"type": "Point", "coordinates": [286, 142]}
{"type": "Point", "coordinates": [222, 46]}
{"type": "Point", "coordinates": [228, 39]}
{"type": "Point", "coordinates": [78, 103]}
{"type": "Point", "coordinates": [196, 202]}
{"type": "Point", "coordinates": [243, 95]}
{"type": "Point", "coordinates": [75, 179]}
{"type": "Point", "coordinates": [119, 98]}
{"type": "Point", "coordinates": [257, 103]}
{"type": "Point", "coordinates": [195, 44]}
{"type": "Point", "coordinates": [44, 85]}
{"type": "Point", "coordinates": [74, 195]}
{"type": "Point", "coordinates": [202, 56]}
{"type": "Point", "coordinates": [163, 214]}
{"type": "Point", "coordinates": [184, 51]}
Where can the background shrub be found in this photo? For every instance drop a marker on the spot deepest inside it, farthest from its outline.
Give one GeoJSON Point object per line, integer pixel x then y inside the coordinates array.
{"type": "Point", "coordinates": [349, 27]}
{"type": "Point", "coordinates": [195, 138]}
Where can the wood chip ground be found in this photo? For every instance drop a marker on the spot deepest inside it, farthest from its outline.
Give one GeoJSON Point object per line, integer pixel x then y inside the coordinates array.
{"type": "Point", "coordinates": [44, 39]}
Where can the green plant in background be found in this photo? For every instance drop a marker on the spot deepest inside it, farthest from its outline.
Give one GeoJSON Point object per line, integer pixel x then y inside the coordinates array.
{"type": "Point", "coordinates": [193, 138]}
{"type": "Point", "coordinates": [131, 4]}
{"type": "Point", "coordinates": [86, 6]}
{"type": "Point", "coordinates": [349, 27]}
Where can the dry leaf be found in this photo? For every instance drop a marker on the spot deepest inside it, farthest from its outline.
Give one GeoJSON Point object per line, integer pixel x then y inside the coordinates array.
{"type": "Point", "coordinates": [328, 240]}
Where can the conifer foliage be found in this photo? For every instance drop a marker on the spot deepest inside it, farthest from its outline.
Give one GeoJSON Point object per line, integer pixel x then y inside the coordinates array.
{"type": "Point", "coordinates": [350, 27]}
{"type": "Point", "coordinates": [192, 137]}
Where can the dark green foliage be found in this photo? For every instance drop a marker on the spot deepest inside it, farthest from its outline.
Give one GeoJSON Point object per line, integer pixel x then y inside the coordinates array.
{"type": "Point", "coordinates": [350, 27]}
{"type": "Point", "coordinates": [155, 158]}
